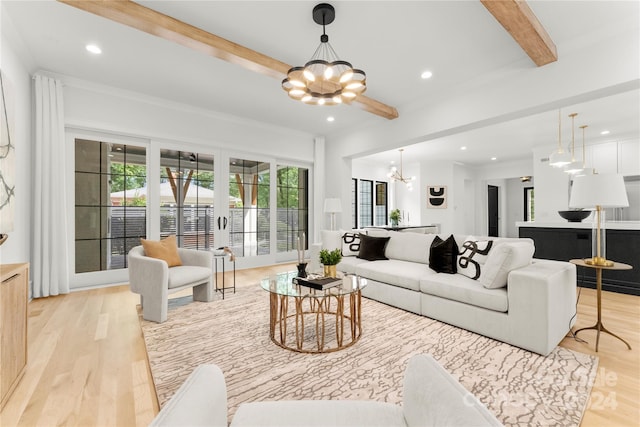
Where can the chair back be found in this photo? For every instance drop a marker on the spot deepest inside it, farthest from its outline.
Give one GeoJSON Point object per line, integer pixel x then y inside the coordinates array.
{"type": "Point", "coordinates": [432, 397]}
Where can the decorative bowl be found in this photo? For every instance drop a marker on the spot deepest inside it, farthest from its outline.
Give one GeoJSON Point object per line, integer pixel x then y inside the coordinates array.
{"type": "Point", "coordinates": [574, 215]}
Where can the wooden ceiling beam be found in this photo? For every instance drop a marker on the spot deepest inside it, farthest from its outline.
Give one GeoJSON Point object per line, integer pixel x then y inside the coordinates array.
{"type": "Point", "coordinates": [519, 20]}
{"type": "Point", "coordinates": [158, 24]}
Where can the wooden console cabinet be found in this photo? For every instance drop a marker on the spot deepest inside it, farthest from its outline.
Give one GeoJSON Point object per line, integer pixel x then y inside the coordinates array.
{"type": "Point", "coordinates": [14, 294]}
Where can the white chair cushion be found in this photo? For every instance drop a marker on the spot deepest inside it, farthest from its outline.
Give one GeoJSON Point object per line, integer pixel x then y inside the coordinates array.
{"type": "Point", "coordinates": [187, 274]}
{"type": "Point", "coordinates": [320, 413]}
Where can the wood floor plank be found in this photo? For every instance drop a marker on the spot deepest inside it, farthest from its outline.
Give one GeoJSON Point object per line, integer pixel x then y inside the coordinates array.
{"type": "Point", "coordinates": [88, 363]}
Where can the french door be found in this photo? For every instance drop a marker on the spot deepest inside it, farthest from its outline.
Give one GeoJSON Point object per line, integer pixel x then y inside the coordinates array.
{"type": "Point", "coordinates": [127, 189]}
{"type": "Point", "coordinates": [257, 207]}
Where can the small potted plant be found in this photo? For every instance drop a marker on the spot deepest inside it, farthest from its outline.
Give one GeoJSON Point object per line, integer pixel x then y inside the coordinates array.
{"type": "Point", "coordinates": [329, 259]}
{"type": "Point", "coordinates": [394, 216]}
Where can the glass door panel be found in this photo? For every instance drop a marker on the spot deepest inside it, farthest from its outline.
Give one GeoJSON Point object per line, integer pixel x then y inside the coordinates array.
{"type": "Point", "coordinates": [187, 198]}
{"type": "Point", "coordinates": [249, 216]}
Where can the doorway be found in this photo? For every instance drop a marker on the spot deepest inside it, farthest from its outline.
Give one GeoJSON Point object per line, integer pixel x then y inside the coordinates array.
{"type": "Point", "coordinates": [492, 210]}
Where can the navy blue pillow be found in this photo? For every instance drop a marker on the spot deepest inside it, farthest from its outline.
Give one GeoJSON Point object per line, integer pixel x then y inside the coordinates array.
{"type": "Point", "coordinates": [443, 255]}
{"type": "Point", "coordinates": [372, 248]}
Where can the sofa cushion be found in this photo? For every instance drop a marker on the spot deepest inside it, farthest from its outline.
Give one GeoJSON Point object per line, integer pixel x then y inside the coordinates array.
{"type": "Point", "coordinates": [403, 274]}
{"type": "Point", "coordinates": [372, 248]}
{"type": "Point", "coordinates": [472, 256]}
{"type": "Point", "coordinates": [187, 274]}
{"type": "Point", "coordinates": [349, 264]}
{"type": "Point", "coordinates": [463, 289]}
{"type": "Point", "coordinates": [351, 243]}
{"type": "Point", "coordinates": [443, 255]}
{"type": "Point", "coordinates": [409, 246]}
{"type": "Point", "coordinates": [502, 259]}
{"type": "Point", "coordinates": [165, 249]}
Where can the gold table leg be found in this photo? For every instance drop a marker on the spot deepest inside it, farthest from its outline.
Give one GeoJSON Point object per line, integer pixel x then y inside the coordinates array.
{"type": "Point", "coordinates": [599, 326]}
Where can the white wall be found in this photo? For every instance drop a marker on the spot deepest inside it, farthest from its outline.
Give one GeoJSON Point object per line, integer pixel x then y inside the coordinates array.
{"type": "Point", "coordinates": [17, 247]}
{"type": "Point", "coordinates": [507, 95]}
{"type": "Point", "coordinates": [551, 187]}
{"type": "Point", "coordinates": [438, 174]}
{"type": "Point", "coordinates": [515, 204]}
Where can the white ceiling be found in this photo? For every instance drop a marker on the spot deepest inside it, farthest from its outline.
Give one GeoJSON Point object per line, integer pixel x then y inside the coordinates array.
{"type": "Point", "coordinates": [459, 41]}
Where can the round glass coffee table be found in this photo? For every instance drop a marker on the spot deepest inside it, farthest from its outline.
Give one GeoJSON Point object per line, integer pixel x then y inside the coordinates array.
{"type": "Point", "coordinates": [316, 322]}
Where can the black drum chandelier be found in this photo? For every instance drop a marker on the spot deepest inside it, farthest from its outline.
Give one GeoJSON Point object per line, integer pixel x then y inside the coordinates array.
{"type": "Point", "coordinates": [325, 79]}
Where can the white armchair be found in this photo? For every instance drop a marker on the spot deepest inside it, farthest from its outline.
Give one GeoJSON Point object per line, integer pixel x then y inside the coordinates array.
{"type": "Point", "coordinates": [431, 397]}
{"type": "Point", "coordinates": [154, 280]}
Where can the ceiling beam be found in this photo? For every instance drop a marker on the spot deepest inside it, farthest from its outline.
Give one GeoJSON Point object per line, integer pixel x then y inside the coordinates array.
{"type": "Point", "coordinates": [519, 20]}
{"type": "Point", "coordinates": [150, 21]}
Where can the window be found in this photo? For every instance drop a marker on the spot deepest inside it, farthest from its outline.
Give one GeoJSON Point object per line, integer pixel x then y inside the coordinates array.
{"type": "Point", "coordinates": [354, 203]}
{"type": "Point", "coordinates": [292, 206]}
{"type": "Point", "coordinates": [365, 207]}
{"type": "Point", "coordinates": [186, 198]}
{"type": "Point", "coordinates": [529, 211]}
{"type": "Point", "coordinates": [110, 203]}
{"type": "Point", "coordinates": [381, 203]}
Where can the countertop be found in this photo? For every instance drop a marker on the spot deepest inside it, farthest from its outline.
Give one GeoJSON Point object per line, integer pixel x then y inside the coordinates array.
{"type": "Point", "coordinates": [587, 224]}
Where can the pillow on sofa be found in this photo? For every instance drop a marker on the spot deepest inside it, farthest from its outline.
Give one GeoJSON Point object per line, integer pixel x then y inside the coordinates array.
{"type": "Point", "coordinates": [165, 249]}
{"type": "Point", "coordinates": [372, 248]}
{"type": "Point", "coordinates": [472, 256]}
{"type": "Point", "coordinates": [443, 255]}
{"type": "Point", "coordinates": [351, 243]}
{"type": "Point", "coordinates": [502, 259]}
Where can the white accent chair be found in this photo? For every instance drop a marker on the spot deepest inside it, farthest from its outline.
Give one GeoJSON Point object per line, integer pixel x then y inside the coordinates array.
{"type": "Point", "coordinates": [431, 397]}
{"type": "Point", "coordinates": [154, 280]}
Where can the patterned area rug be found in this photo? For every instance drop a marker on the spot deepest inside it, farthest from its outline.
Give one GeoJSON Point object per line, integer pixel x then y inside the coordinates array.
{"type": "Point", "coordinates": [519, 387]}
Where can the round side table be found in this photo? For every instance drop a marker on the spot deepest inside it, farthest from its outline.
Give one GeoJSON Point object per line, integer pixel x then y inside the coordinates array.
{"type": "Point", "coordinates": [599, 326]}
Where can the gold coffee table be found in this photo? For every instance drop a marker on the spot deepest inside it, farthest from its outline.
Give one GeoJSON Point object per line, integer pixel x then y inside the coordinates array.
{"type": "Point", "coordinates": [316, 322]}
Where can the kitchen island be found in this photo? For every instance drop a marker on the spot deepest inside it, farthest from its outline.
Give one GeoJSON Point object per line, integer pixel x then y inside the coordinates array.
{"type": "Point", "coordinates": [564, 241]}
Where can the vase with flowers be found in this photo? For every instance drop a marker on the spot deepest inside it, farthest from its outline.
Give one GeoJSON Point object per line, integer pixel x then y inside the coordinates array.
{"type": "Point", "coordinates": [394, 217]}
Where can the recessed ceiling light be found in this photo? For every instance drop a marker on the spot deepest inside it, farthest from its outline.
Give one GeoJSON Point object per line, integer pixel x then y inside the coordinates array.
{"type": "Point", "coordinates": [605, 132]}
{"type": "Point", "coordinates": [463, 148]}
{"type": "Point", "coordinates": [330, 118]}
{"type": "Point", "coordinates": [494, 158]}
{"type": "Point", "coordinates": [93, 49]}
{"type": "Point", "coordinates": [426, 74]}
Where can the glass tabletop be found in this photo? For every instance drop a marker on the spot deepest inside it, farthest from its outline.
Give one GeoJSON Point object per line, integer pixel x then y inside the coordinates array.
{"type": "Point", "coordinates": [282, 284]}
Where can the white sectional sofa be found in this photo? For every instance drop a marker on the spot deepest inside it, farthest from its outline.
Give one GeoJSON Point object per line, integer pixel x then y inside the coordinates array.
{"type": "Point", "coordinates": [526, 302]}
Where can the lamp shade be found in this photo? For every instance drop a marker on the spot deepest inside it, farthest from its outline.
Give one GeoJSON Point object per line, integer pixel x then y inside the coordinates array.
{"type": "Point", "coordinates": [332, 205]}
{"type": "Point", "coordinates": [604, 190]}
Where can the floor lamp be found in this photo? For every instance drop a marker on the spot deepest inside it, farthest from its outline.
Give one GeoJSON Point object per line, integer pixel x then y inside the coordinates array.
{"type": "Point", "coordinates": [332, 206]}
{"type": "Point", "coordinates": [598, 191]}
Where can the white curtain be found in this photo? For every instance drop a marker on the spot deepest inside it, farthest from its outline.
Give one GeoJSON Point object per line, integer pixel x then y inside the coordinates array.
{"type": "Point", "coordinates": [49, 269]}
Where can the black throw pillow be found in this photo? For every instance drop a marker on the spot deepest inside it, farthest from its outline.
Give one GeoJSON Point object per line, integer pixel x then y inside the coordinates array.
{"type": "Point", "coordinates": [443, 255]}
{"type": "Point", "coordinates": [372, 248]}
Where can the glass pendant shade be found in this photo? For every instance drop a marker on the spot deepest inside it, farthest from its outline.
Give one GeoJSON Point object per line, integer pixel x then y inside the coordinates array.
{"type": "Point", "coordinates": [574, 166]}
{"type": "Point", "coordinates": [585, 170]}
{"type": "Point", "coordinates": [559, 157]}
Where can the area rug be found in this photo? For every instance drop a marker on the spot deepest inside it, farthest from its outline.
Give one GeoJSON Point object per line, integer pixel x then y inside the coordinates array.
{"type": "Point", "coordinates": [519, 387]}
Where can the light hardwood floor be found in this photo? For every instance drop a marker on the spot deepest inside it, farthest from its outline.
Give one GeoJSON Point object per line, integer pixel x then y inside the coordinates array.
{"type": "Point", "coordinates": [88, 365]}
